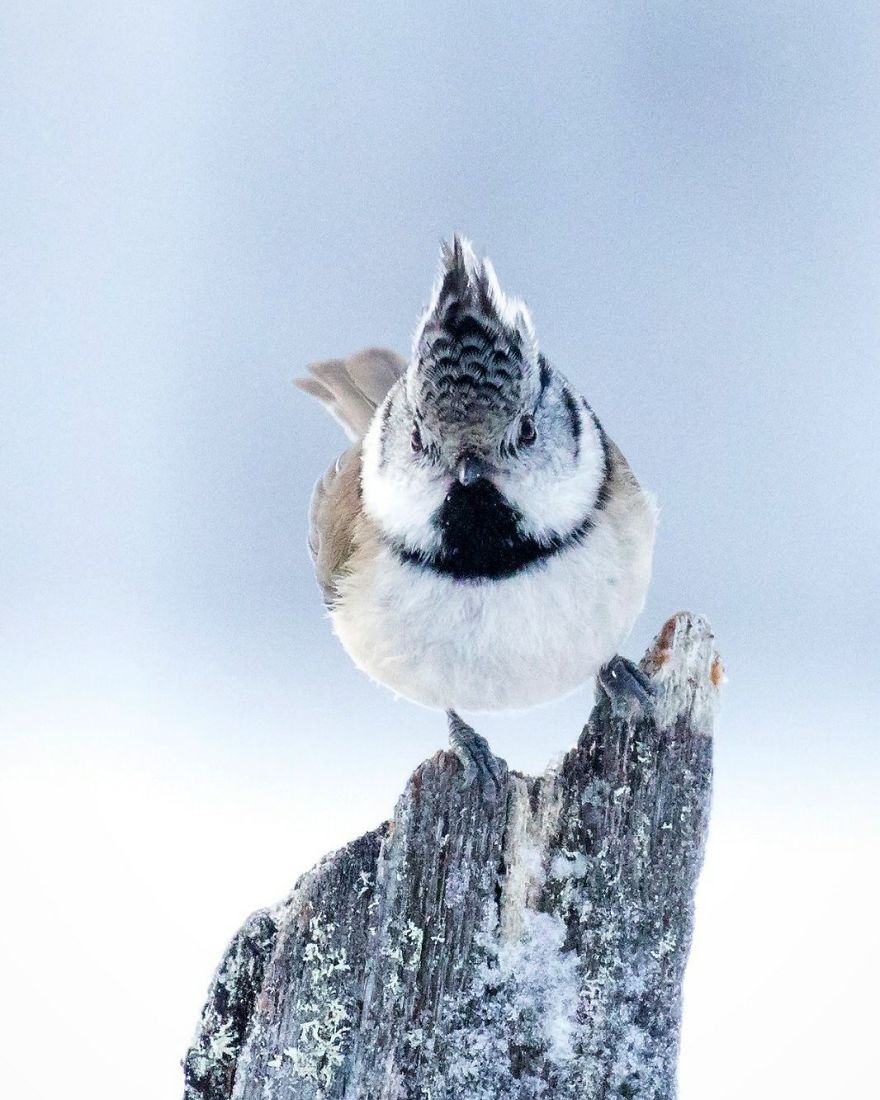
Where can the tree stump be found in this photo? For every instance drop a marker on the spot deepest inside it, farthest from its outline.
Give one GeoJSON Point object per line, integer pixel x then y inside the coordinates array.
{"type": "Point", "coordinates": [465, 950]}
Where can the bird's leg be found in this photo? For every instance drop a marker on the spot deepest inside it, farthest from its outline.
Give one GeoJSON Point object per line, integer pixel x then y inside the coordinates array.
{"type": "Point", "coordinates": [476, 757]}
{"type": "Point", "coordinates": [630, 691]}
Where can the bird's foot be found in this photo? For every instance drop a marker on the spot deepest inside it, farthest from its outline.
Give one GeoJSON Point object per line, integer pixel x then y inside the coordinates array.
{"type": "Point", "coordinates": [630, 691]}
{"type": "Point", "coordinates": [476, 758]}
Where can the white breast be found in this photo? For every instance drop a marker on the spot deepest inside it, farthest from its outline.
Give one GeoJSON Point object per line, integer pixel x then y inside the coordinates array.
{"type": "Point", "coordinates": [499, 644]}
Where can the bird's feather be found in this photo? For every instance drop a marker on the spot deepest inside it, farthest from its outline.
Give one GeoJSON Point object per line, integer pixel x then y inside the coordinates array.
{"type": "Point", "coordinates": [333, 517]}
{"type": "Point", "coordinates": [352, 389]}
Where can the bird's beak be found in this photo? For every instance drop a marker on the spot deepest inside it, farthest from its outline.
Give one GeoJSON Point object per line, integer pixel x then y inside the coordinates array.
{"type": "Point", "coordinates": [471, 469]}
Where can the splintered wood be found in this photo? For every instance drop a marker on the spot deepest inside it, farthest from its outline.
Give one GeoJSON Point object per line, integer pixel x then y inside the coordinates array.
{"type": "Point", "coordinates": [529, 948]}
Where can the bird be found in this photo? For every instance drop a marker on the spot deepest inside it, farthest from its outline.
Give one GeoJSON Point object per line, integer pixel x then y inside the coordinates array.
{"type": "Point", "coordinates": [483, 544]}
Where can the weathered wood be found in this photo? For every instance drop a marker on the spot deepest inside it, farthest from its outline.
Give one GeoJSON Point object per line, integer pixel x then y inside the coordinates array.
{"type": "Point", "coordinates": [467, 951]}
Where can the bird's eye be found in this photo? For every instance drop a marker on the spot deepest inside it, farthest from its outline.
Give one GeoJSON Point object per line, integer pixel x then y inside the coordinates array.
{"type": "Point", "coordinates": [416, 438]}
{"type": "Point", "coordinates": [527, 432]}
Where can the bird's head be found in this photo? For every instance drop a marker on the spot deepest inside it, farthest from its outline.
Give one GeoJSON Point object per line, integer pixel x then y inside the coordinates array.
{"type": "Point", "coordinates": [480, 418]}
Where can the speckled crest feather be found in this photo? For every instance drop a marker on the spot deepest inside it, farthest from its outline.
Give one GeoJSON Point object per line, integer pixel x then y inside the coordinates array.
{"type": "Point", "coordinates": [474, 349]}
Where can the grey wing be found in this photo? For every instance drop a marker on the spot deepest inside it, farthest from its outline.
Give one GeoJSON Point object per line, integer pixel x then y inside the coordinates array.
{"type": "Point", "coordinates": [333, 517]}
{"type": "Point", "coordinates": [352, 389]}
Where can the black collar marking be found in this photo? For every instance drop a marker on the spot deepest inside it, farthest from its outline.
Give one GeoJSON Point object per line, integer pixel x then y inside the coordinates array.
{"type": "Point", "coordinates": [481, 537]}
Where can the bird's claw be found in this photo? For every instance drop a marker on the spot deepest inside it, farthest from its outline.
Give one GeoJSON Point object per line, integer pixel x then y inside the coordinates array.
{"type": "Point", "coordinates": [477, 760]}
{"type": "Point", "coordinates": [630, 691]}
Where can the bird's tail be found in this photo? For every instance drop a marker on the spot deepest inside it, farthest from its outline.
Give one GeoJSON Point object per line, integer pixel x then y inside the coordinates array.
{"type": "Point", "coordinates": [352, 389]}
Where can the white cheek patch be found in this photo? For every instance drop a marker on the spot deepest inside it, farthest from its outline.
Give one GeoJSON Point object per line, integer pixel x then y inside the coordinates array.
{"type": "Point", "coordinates": [554, 503]}
{"type": "Point", "coordinates": [401, 501]}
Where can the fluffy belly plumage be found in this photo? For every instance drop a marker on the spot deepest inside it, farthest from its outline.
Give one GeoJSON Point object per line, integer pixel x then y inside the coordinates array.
{"type": "Point", "coordinates": [492, 644]}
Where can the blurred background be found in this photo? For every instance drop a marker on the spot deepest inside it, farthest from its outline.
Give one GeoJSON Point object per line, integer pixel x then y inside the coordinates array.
{"type": "Point", "coordinates": [197, 201]}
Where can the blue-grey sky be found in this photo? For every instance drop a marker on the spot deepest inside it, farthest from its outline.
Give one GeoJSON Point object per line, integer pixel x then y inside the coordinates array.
{"type": "Point", "coordinates": [197, 201]}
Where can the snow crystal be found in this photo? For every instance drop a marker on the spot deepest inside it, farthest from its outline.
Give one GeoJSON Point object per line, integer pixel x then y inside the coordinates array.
{"type": "Point", "coordinates": [568, 865]}
{"type": "Point", "coordinates": [547, 981]}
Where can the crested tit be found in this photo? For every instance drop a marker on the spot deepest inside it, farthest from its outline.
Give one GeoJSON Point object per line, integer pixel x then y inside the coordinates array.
{"type": "Point", "coordinates": [483, 544]}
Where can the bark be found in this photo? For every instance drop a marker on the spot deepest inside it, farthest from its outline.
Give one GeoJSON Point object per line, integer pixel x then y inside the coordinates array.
{"type": "Point", "coordinates": [468, 951]}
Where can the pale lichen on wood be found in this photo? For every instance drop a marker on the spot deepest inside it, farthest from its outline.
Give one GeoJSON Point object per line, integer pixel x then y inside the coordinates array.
{"type": "Point", "coordinates": [466, 950]}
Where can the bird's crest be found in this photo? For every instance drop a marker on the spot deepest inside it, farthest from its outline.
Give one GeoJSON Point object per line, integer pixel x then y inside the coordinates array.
{"type": "Point", "coordinates": [473, 343]}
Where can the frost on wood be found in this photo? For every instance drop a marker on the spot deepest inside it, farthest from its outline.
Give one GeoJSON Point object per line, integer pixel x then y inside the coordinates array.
{"type": "Point", "coordinates": [465, 951]}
